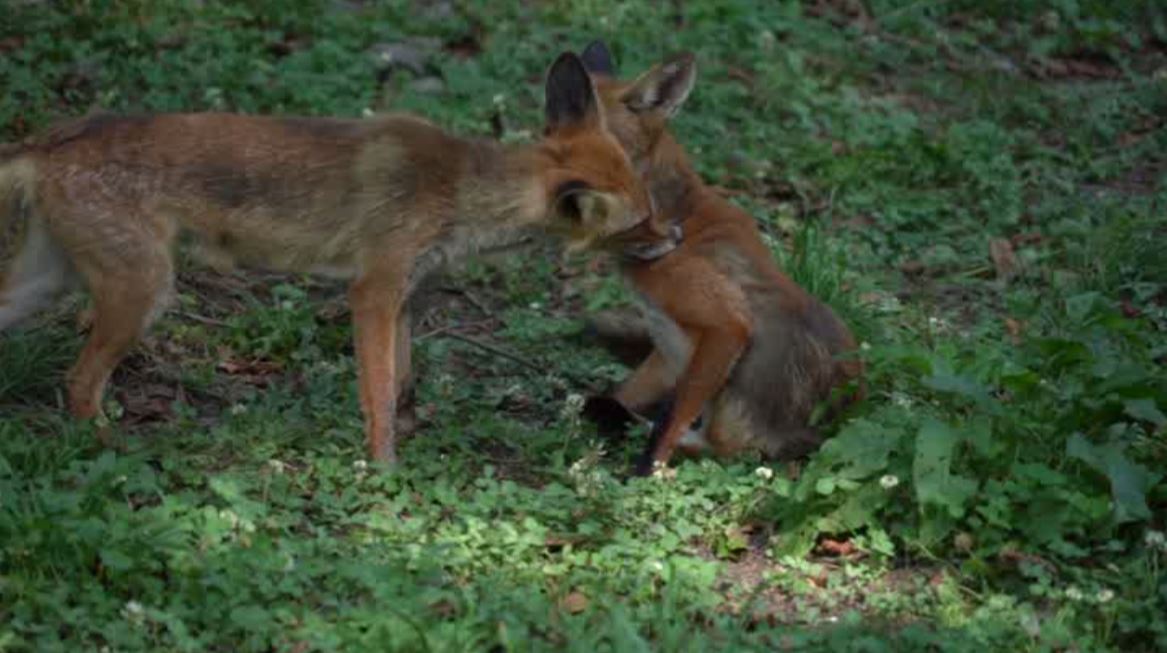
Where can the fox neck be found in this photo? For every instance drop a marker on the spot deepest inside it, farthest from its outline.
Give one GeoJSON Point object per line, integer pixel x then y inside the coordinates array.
{"type": "Point", "coordinates": [675, 185]}
{"type": "Point", "coordinates": [501, 196]}
{"type": "Point", "coordinates": [498, 202]}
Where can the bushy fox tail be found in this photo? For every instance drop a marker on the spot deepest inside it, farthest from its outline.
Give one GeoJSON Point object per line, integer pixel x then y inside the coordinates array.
{"type": "Point", "coordinates": [15, 182]}
{"type": "Point", "coordinates": [33, 269]}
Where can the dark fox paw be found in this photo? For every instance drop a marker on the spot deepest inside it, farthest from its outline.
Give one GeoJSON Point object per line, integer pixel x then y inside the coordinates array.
{"type": "Point", "coordinates": [643, 467]}
{"type": "Point", "coordinates": [610, 416]}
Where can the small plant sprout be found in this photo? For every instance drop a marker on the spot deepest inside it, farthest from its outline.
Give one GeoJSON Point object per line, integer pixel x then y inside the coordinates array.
{"type": "Point", "coordinates": [585, 473]}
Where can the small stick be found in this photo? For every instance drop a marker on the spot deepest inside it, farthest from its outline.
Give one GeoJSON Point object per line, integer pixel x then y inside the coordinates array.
{"type": "Point", "coordinates": [540, 369]}
{"type": "Point", "coordinates": [495, 350]}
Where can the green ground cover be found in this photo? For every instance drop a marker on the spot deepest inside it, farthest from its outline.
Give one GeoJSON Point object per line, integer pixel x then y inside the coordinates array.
{"type": "Point", "coordinates": [980, 189]}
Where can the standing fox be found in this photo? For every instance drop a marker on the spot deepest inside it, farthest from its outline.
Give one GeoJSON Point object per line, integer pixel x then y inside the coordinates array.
{"type": "Point", "coordinates": [735, 343]}
{"type": "Point", "coordinates": [380, 202]}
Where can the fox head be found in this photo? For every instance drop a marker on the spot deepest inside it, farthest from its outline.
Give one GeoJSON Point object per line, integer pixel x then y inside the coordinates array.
{"type": "Point", "coordinates": [598, 201]}
{"type": "Point", "coordinates": [637, 112]}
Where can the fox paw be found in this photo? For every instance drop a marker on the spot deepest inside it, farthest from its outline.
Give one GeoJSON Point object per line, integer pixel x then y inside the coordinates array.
{"type": "Point", "coordinates": [646, 466]}
{"type": "Point", "coordinates": [610, 416]}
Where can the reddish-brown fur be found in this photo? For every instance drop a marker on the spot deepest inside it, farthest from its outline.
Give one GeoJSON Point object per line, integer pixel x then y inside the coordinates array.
{"type": "Point", "coordinates": [380, 202]}
{"type": "Point", "coordinates": [734, 338]}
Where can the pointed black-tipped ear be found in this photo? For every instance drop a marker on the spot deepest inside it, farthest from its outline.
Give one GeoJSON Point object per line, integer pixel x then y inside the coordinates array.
{"type": "Point", "coordinates": [571, 99]}
{"type": "Point", "coordinates": [665, 87]}
{"type": "Point", "coordinates": [597, 58]}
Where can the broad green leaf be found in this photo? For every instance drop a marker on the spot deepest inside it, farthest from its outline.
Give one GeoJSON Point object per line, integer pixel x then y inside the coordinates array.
{"type": "Point", "coordinates": [116, 560]}
{"type": "Point", "coordinates": [1146, 410]}
{"type": "Point", "coordinates": [1129, 481]}
{"type": "Point", "coordinates": [825, 485]}
{"type": "Point", "coordinates": [1079, 307]}
{"type": "Point", "coordinates": [932, 469]}
{"type": "Point", "coordinates": [959, 385]}
{"type": "Point", "coordinates": [861, 449]}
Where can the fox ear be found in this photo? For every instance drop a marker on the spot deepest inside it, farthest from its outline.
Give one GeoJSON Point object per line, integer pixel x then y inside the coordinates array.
{"type": "Point", "coordinates": [664, 88]}
{"type": "Point", "coordinates": [570, 97]}
{"type": "Point", "coordinates": [597, 58]}
{"type": "Point", "coordinates": [578, 203]}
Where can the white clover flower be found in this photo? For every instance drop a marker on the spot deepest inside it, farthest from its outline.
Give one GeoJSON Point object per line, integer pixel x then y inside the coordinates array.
{"type": "Point", "coordinates": [764, 473]}
{"type": "Point", "coordinates": [230, 516]}
{"type": "Point", "coordinates": [238, 409]}
{"type": "Point", "coordinates": [1030, 624]}
{"type": "Point", "coordinates": [1074, 594]}
{"type": "Point", "coordinates": [366, 112]}
{"type": "Point", "coordinates": [1105, 595]}
{"type": "Point", "coordinates": [276, 466]}
{"type": "Point", "coordinates": [657, 566]}
{"type": "Point", "coordinates": [889, 304]}
{"type": "Point", "coordinates": [1155, 540]}
{"type": "Point", "coordinates": [888, 481]}
{"type": "Point", "coordinates": [901, 399]}
{"type": "Point", "coordinates": [499, 99]}
{"type": "Point", "coordinates": [133, 611]}
{"type": "Point", "coordinates": [534, 306]}
{"type": "Point", "coordinates": [661, 470]}
{"type": "Point", "coordinates": [360, 466]}
{"type": "Point", "coordinates": [939, 324]}
{"type": "Point", "coordinates": [572, 406]}
{"type": "Point", "coordinates": [767, 39]}
{"type": "Point", "coordinates": [287, 305]}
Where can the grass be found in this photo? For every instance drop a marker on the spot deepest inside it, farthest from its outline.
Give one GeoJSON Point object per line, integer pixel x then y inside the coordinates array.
{"type": "Point", "coordinates": [979, 188]}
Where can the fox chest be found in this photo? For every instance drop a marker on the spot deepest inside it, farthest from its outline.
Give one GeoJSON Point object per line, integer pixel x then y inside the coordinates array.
{"type": "Point", "coordinates": [667, 336]}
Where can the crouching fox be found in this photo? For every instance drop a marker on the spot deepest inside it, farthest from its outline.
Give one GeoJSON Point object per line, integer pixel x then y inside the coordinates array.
{"type": "Point", "coordinates": [738, 355]}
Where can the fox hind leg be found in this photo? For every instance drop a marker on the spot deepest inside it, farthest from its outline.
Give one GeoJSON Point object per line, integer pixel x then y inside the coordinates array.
{"type": "Point", "coordinates": [125, 301]}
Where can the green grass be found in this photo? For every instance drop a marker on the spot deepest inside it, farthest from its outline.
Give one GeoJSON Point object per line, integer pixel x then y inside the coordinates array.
{"type": "Point", "coordinates": [1002, 488]}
